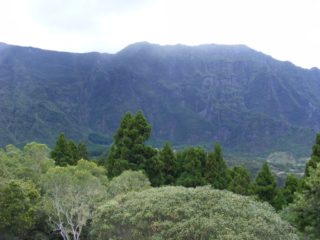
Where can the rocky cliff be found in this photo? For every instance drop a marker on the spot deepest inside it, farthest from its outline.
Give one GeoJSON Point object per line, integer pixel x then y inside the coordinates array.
{"type": "Point", "coordinates": [243, 98]}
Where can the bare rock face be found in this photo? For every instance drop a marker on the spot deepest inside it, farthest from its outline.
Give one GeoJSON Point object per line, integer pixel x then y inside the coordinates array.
{"type": "Point", "coordinates": [233, 94]}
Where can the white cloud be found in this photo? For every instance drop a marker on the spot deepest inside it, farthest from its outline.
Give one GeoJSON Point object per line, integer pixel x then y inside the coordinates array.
{"type": "Point", "coordinates": [287, 30]}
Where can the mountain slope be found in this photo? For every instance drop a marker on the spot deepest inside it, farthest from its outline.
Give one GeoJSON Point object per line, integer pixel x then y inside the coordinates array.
{"type": "Point", "coordinates": [243, 98]}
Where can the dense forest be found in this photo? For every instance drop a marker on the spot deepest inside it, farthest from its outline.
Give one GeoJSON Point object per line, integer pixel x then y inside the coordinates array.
{"type": "Point", "coordinates": [140, 192]}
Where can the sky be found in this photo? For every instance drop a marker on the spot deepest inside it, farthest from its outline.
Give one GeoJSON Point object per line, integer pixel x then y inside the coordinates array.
{"type": "Point", "coordinates": [286, 30]}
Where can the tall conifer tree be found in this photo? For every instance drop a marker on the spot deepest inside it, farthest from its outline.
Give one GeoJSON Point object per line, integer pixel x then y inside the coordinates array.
{"type": "Point", "coordinates": [61, 153]}
{"type": "Point", "coordinates": [74, 154]}
{"type": "Point", "coordinates": [290, 187]}
{"type": "Point", "coordinates": [191, 177]}
{"type": "Point", "coordinates": [216, 169]}
{"type": "Point", "coordinates": [265, 185]}
{"type": "Point", "coordinates": [83, 152]}
{"type": "Point", "coordinates": [166, 155]}
{"type": "Point", "coordinates": [211, 171]}
{"type": "Point", "coordinates": [130, 152]}
{"type": "Point", "coordinates": [240, 182]}
{"type": "Point", "coordinates": [315, 157]}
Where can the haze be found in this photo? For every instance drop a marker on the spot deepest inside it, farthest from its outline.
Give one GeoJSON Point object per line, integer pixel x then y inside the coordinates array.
{"type": "Point", "coordinates": [286, 30]}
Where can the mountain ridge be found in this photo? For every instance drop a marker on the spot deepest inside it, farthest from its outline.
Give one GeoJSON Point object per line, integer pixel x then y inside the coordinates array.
{"type": "Point", "coordinates": [234, 94]}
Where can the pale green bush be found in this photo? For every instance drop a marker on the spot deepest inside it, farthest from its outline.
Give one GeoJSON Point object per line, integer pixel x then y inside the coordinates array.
{"type": "Point", "coordinates": [188, 213]}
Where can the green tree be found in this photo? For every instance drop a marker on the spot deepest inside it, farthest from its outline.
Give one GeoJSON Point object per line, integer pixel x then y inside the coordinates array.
{"type": "Point", "coordinates": [202, 157]}
{"type": "Point", "coordinates": [315, 156]}
{"type": "Point", "coordinates": [152, 166]}
{"type": "Point", "coordinates": [290, 187]}
{"type": "Point", "coordinates": [74, 153]}
{"type": "Point", "coordinates": [120, 158]}
{"type": "Point", "coordinates": [303, 213]}
{"type": "Point", "coordinates": [265, 185]}
{"type": "Point", "coordinates": [217, 172]}
{"type": "Point", "coordinates": [170, 165]}
{"type": "Point", "coordinates": [180, 156]}
{"type": "Point", "coordinates": [82, 151]}
{"type": "Point", "coordinates": [279, 201]}
{"type": "Point", "coordinates": [191, 176]}
{"type": "Point", "coordinates": [128, 181]}
{"type": "Point", "coordinates": [72, 192]}
{"type": "Point", "coordinates": [20, 175]}
{"type": "Point", "coordinates": [61, 153]}
{"type": "Point", "coordinates": [17, 208]}
{"type": "Point", "coordinates": [28, 165]}
{"type": "Point", "coordinates": [240, 182]}
{"type": "Point", "coordinates": [128, 150]}
{"type": "Point", "coordinates": [188, 213]}
{"type": "Point", "coordinates": [211, 171]}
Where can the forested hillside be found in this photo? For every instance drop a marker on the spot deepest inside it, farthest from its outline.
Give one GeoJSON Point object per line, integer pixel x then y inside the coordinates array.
{"type": "Point", "coordinates": [245, 99]}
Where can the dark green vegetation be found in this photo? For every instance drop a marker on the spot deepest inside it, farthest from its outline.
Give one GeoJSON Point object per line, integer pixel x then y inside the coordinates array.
{"type": "Point", "coordinates": [45, 199]}
{"type": "Point", "coordinates": [68, 153]}
{"type": "Point", "coordinates": [190, 167]}
{"type": "Point", "coordinates": [128, 150]}
{"type": "Point", "coordinates": [248, 101]}
{"type": "Point", "coordinates": [41, 200]}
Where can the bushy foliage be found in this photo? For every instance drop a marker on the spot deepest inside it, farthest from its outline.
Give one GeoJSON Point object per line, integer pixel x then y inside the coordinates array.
{"type": "Point", "coordinates": [18, 201]}
{"type": "Point", "coordinates": [28, 165]}
{"type": "Point", "coordinates": [126, 182]}
{"type": "Point", "coordinates": [304, 211]}
{"type": "Point", "coordinates": [315, 156]}
{"type": "Point", "coordinates": [188, 213]}
{"type": "Point", "coordinates": [71, 193]}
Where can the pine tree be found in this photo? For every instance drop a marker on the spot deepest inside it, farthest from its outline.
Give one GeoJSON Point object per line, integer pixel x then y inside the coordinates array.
{"type": "Point", "coordinates": [279, 201]}
{"type": "Point", "coordinates": [303, 213]}
{"type": "Point", "coordinates": [216, 170]}
{"type": "Point", "coordinates": [130, 152]}
{"type": "Point", "coordinates": [191, 177]}
{"type": "Point", "coordinates": [202, 156]}
{"type": "Point", "coordinates": [153, 167]}
{"type": "Point", "coordinates": [290, 187]}
{"type": "Point", "coordinates": [224, 175]}
{"type": "Point", "coordinates": [118, 159]}
{"type": "Point", "coordinates": [180, 156]}
{"type": "Point", "coordinates": [240, 182]}
{"type": "Point", "coordinates": [315, 157]}
{"type": "Point", "coordinates": [61, 153]}
{"type": "Point", "coordinates": [166, 155]}
{"type": "Point", "coordinates": [211, 171]}
{"type": "Point", "coordinates": [74, 154]}
{"type": "Point", "coordinates": [265, 185]}
{"type": "Point", "coordinates": [83, 152]}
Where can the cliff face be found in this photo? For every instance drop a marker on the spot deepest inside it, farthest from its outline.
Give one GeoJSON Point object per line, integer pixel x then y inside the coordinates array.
{"type": "Point", "coordinates": [243, 98]}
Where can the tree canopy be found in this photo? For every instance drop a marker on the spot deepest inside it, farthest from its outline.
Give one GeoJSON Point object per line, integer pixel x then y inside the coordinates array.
{"type": "Point", "coordinates": [71, 194]}
{"type": "Point", "coordinates": [265, 185]}
{"type": "Point", "coordinates": [128, 150]}
{"type": "Point", "coordinates": [188, 213]}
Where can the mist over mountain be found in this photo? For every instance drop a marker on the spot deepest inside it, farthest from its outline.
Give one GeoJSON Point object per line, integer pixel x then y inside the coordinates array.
{"type": "Point", "coordinates": [245, 99]}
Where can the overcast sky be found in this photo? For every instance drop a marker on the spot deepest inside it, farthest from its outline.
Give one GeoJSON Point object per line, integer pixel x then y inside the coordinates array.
{"type": "Point", "coordinates": [286, 30]}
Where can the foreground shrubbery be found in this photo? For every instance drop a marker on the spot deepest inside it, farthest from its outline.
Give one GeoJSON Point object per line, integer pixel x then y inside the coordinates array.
{"type": "Point", "coordinates": [44, 198]}
{"type": "Point", "coordinates": [188, 213]}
